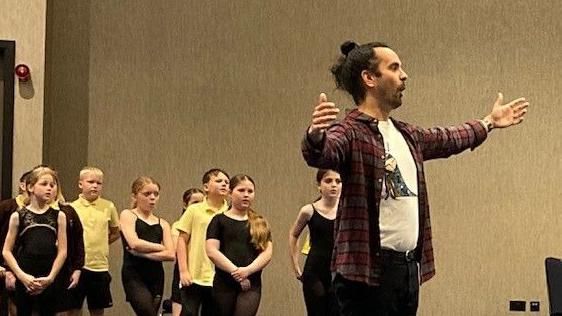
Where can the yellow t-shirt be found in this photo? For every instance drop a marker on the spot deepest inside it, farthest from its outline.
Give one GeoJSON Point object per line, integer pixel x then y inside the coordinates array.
{"type": "Point", "coordinates": [306, 246]}
{"type": "Point", "coordinates": [194, 222]}
{"type": "Point", "coordinates": [96, 218]}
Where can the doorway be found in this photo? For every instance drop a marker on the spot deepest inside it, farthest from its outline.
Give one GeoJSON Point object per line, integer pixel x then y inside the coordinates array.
{"type": "Point", "coordinates": [7, 64]}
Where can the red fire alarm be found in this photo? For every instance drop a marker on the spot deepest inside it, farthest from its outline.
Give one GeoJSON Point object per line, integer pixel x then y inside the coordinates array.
{"type": "Point", "coordinates": [22, 72]}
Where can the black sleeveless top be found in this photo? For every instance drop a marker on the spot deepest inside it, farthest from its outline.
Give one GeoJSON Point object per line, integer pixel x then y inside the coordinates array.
{"type": "Point", "coordinates": [321, 244]}
{"type": "Point", "coordinates": [36, 244]}
{"type": "Point", "coordinates": [37, 234]}
{"type": "Point", "coordinates": [152, 233]}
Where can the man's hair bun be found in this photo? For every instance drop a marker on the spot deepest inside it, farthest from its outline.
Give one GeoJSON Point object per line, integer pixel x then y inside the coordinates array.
{"type": "Point", "coordinates": [347, 47]}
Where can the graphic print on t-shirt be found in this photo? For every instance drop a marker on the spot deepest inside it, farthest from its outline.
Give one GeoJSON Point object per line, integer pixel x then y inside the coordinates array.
{"type": "Point", "coordinates": [394, 182]}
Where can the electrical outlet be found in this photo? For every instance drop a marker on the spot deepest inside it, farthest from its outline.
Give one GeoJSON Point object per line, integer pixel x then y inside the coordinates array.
{"type": "Point", "coordinates": [534, 306]}
{"type": "Point", "coordinates": [517, 306]}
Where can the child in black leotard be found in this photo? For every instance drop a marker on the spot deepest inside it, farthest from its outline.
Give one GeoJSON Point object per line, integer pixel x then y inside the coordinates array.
{"type": "Point", "coordinates": [36, 246]}
{"type": "Point", "coordinates": [146, 242]}
{"type": "Point", "coordinates": [239, 244]}
{"type": "Point", "coordinates": [319, 216]}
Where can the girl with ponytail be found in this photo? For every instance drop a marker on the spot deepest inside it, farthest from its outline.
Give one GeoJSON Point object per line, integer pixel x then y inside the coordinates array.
{"type": "Point", "coordinates": [239, 244]}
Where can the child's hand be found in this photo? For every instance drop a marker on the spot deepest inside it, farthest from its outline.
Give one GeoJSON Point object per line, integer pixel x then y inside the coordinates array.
{"type": "Point", "coordinates": [74, 278]}
{"type": "Point", "coordinates": [30, 283]}
{"type": "Point", "coordinates": [44, 282]}
{"type": "Point", "coordinates": [240, 274]}
{"type": "Point", "coordinates": [246, 285]}
{"type": "Point", "coordinates": [10, 281]}
{"type": "Point", "coordinates": [185, 279]}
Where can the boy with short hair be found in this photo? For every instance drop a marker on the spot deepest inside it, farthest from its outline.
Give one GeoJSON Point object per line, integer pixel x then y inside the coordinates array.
{"type": "Point", "coordinates": [101, 228]}
{"type": "Point", "coordinates": [196, 270]}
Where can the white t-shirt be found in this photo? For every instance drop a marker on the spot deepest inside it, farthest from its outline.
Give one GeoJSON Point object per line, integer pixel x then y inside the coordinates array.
{"type": "Point", "coordinates": [398, 218]}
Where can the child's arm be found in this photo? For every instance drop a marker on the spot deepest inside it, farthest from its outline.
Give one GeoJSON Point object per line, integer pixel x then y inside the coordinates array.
{"type": "Point", "coordinates": [135, 243]}
{"type": "Point", "coordinates": [182, 255]}
{"type": "Point", "coordinates": [261, 261]}
{"type": "Point", "coordinates": [212, 247]}
{"type": "Point", "coordinates": [113, 225]}
{"type": "Point", "coordinates": [167, 254]}
{"type": "Point", "coordinates": [302, 220]}
{"type": "Point", "coordinates": [76, 253]}
{"type": "Point", "coordinates": [26, 279]}
{"type": "Point", "coordinates": [113, 234]}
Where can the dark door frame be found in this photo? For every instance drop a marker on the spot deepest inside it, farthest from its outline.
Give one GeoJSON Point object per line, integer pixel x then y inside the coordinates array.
{"type": "Point", "coordinates": [8, 52]}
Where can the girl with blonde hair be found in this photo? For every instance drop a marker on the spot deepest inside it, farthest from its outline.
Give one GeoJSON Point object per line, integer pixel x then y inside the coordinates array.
{"type": "Point", "coordinates": [36, 244]}
{"type": "Point", "coordinates": [146, 242]}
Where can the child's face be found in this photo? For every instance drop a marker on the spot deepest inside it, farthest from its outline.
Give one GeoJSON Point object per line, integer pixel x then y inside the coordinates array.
{"type": "Point", "coordinates": [330, 185]}
{"type": "Point", "coordinates": [217, 185]}
{"type": "Point", "coordinates": [195, 198]}
{"type": "Point", "coordinates": [45, 190]}
{"type": "Point", "coordinates": [242, 195]}
{"type": "Point", "coordinates": [91, 186]}
{"type": "Point", "coordinates": [147, 197]}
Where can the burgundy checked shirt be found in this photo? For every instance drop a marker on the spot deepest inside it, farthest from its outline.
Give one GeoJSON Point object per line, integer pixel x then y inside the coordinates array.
{"type": "Point", "coordinates": [354, 147]}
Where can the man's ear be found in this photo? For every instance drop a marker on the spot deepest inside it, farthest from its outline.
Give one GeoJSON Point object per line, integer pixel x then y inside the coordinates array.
{"type": "Point", "coordinates": [369, 79]}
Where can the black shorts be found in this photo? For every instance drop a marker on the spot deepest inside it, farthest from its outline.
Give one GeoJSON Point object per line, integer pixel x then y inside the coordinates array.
{"type": "Point", "coordinates": [95, 286]}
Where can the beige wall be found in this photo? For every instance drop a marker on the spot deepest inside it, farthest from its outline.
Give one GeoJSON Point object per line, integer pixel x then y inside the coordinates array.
{"type": "Point", "coordinates": [67, 90]}
{"type": "Point", "coordinates": [24, 22]}
{"type": "Point", "coordinates": [178, 87]}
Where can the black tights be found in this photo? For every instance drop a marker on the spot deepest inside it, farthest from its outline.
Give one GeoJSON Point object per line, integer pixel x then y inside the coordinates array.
{"type": "Point", "coordinates": [232, 301]}
{"type": "Point", "coordinates": [142, 300]}
{"type": "Point", "coordinates": [319, 297]}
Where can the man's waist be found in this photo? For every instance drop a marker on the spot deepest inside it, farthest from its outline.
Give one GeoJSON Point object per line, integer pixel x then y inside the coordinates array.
{"type": "Point", "coordinates": [397, 257]}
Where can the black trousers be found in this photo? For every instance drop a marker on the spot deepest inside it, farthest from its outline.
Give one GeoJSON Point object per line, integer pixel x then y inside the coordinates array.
{"type": "Point", "coordinates": [195, 297]}
{"type": "Point", "coordinates": [397, 294]}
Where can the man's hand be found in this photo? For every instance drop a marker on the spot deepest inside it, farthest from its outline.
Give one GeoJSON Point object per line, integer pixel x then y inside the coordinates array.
{"type": "Point", "coordinates": [324, 115]}
{"type": "Point", "coordinates": [505, 115]}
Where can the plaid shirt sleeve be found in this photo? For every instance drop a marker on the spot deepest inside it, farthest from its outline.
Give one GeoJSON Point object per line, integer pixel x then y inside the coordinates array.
{"type": "Point", "coordinates": [331, 152]}
{"type": "Point", "coordinates": [442, 142]}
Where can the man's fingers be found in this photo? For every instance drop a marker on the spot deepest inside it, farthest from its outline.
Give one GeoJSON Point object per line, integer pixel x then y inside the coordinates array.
{"type": "Point", "coordinates": [519, 106]}
{"type": "Point", "coordinates": [499, 100]}
{"type": "Point", "coordinates": [322, 98]}
{"type": "Point", "coordinates": [323, 119]}
{"type": "Point", "coordinates": [518, 102]}
{"type": "Point", "coordinates": [325, 105]}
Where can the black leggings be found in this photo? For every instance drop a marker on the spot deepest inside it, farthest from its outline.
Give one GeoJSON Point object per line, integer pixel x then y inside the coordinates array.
{"type": "Point", "coordinates": [230, 300]}
{"type": "Point", "coordinates": [319, 296]}
{"type": "Point", "coordinates": [144, 296]}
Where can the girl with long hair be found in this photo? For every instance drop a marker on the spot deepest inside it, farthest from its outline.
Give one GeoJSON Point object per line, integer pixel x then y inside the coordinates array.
{"type": "Point", "coordinates": [239, 244]}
